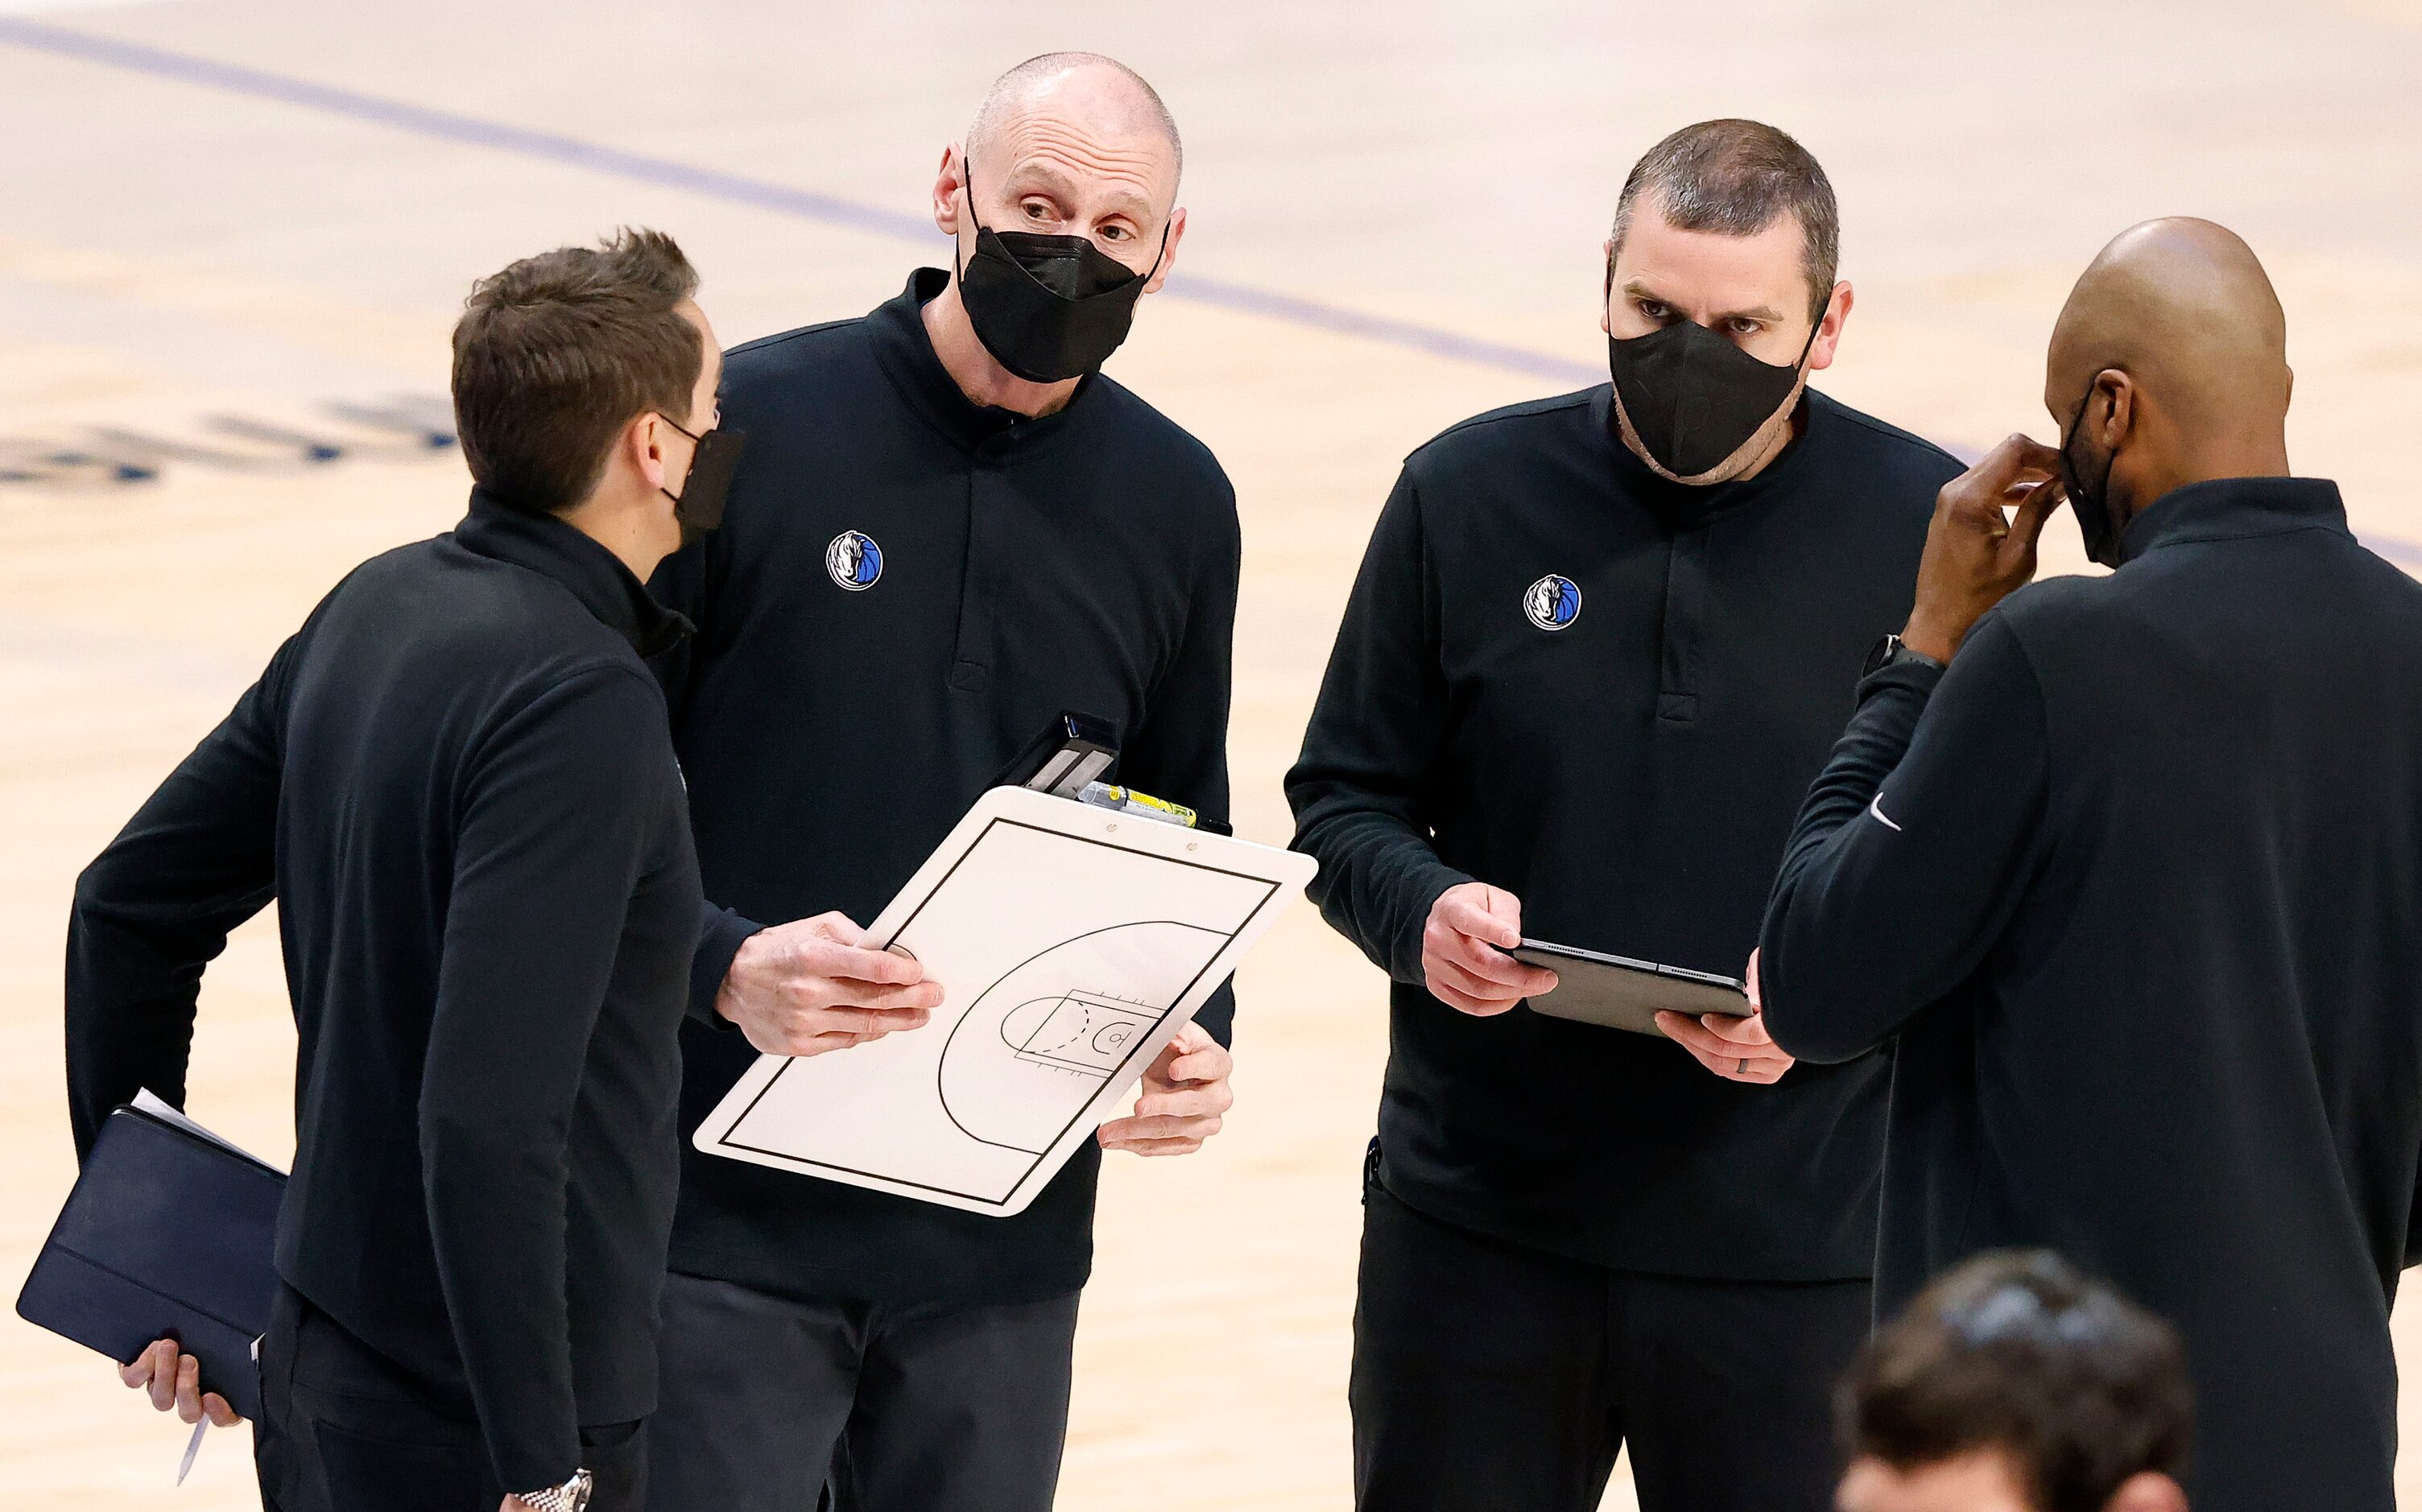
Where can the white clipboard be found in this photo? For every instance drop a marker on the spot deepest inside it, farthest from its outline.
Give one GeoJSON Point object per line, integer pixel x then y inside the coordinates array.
{"type": "Point", "coordinates": [1072, 943]}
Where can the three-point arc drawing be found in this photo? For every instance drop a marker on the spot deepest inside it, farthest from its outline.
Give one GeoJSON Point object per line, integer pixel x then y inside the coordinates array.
{"type": "Point", "coordinates": [1030, 1053]}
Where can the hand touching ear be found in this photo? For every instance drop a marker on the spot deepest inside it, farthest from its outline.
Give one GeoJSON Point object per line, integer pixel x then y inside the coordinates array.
{"type": "Point", "coordinates": [1974, 557]}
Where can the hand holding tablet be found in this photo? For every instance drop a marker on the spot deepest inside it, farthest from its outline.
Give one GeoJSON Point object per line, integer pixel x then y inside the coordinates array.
{"type": "Point", "coordinates": [1622, 993]}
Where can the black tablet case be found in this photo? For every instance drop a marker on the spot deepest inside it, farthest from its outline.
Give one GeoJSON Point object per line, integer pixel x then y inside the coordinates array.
{"type": "Point", "coordinates": [166, 1235]}
{"type": "Point", "coordinates": [1621, 993]}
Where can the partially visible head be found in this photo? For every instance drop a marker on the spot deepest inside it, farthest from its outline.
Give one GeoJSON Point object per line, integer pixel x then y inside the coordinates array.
{"type": "Point", "coordinates": [2016, 1384]}
{"type": "Point", "coordinates": [568, 365]}
{"type": "Point", "coordinates": [1074, 145]}
{"type": "Point", "coordinates": [1731, 226]}
{"type": "Point", "coordinates": [2168, 366]}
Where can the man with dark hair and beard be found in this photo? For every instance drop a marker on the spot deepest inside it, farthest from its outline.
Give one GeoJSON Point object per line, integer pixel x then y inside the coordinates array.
{"type": "Point", "coordinates": [2134, 888]}
{"type": "Point", "coordinates": [951, 528]}
{"type": "Point", "coordinates": [1589, 668]}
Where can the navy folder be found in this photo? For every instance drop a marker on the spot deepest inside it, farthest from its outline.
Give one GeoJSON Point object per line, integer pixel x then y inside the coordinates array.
{"type": "Point", "coordinates": [168, 1234]}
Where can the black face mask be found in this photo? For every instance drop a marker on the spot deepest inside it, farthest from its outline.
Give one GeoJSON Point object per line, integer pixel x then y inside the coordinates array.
{"type": "Point", "coordinates": [698, 506]}
{"type": "Point", "coordinates": [1047, 307]}
{"type": "Point", "coordinates": [1693, 398]}
{"type": "Point", "coordinates": [2096, 520]}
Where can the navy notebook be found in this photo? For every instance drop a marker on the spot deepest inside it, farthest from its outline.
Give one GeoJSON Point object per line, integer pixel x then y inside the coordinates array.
{"type": "Point", "coordinates": [168, 1234]}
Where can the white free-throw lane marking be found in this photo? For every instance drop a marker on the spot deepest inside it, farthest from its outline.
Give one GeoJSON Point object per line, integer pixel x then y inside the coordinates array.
{"type": "Point", "coordinates": [1875, 807]}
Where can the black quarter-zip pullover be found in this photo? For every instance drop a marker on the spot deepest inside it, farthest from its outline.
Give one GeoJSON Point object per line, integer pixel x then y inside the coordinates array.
{"type": "Point", "coordinates": [1607, 693]}
{"type": "Point", "coordinates": [907, 588]}
{"type": "Point", "coordinates": [455, 781]}
{"type": "Point", "coordinates": [2136, 898]}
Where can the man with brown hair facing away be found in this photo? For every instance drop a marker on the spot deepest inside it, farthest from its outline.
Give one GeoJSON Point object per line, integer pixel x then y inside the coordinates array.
{"type": "Point", "coordinates": [456, 783]}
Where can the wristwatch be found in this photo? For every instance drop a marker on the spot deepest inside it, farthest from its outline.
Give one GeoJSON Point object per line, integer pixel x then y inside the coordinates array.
{"type": "Point", "coordinates": [572, 1496]}
{"type": "Point", "coordinates": [1892, 652]}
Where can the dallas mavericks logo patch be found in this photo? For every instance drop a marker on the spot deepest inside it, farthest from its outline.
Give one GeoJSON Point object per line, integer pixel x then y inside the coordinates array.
{"type": "Point", "coordinates": [1552, 603]}
{"type": "Point", "coordinates": [854, 562]}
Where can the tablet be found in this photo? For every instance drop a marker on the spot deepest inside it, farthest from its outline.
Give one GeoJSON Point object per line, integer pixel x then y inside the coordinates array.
{"type": "Point", "coordinates": [1622, 993]}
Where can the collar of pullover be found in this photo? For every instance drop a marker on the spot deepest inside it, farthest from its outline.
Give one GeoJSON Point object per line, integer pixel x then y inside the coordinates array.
{"type": "Point", "coordinates": [906, 354]}
{"type": "Point", "coordinates": [594, 576]}
{"type": "Point", "coordinates": [1689, 506]}
{"type": "Point", "coordinates": [2225, 509]}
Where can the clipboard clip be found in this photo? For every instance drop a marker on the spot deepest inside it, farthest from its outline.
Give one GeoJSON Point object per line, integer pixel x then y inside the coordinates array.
{"type": "Point", "coordinates": [1069, 752]}
{"type": "Point", "coordinates": [1068, 759]}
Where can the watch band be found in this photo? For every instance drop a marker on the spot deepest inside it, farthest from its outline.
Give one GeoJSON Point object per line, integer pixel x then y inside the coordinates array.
{"type": "Point", "coordinates": [572, 1496]}
{"type": "Point", "coordinates": [1893, 652]}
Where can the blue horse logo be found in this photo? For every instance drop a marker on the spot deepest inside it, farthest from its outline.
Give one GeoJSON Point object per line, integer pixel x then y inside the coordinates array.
{"type": "Point", "coordinates": [854, 562]}
{"type": "Point", "coordinates": [1552, 603]}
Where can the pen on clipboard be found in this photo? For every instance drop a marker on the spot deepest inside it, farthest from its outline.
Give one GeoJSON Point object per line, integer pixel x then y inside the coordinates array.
{"type": "Point", "coordinates": [1142, 805]}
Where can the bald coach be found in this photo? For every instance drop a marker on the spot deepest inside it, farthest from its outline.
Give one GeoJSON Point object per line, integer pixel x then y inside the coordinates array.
{"type": "Point", "coordinates": [953, 526]}
{"type": "Point", "coordinates": [2135, 883]}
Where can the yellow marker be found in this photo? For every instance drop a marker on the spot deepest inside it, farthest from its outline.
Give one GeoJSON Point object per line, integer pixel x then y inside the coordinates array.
{"type": "Point", "coordinates": [1142, 805]}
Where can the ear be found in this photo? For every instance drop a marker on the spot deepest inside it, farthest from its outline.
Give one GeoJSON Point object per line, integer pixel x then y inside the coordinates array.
{"type": "Point", "coordinates": [1169, 252]}
{"type": "Point", "coordinates": [1606, 293]}
{"type": "Point", "coordinates": [2290, 401]}
{"type": "Point", "coordinates": [643, 443]}
{"type": "Point", "coordinates": [1829, 327]}
{"type": "Point", "coordinates": [2148, 1491]}
{"type": "Point", "coordinates": [948, 180]}
{"type": "Point", "coordinates": [2118, 392]}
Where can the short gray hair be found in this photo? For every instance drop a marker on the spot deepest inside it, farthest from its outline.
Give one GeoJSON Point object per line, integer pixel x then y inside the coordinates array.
{"type": "Point", "coordinates": [1734, 177]}
{"type": "Point", "coordinates": [1012, 87]}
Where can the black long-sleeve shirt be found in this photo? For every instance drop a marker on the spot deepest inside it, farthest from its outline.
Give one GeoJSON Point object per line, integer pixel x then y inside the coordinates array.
{"type": "Point", "coordinates": [2136, 896]}
{"type": "Point", "coordinates": [1631, 776]}
{"type": "Point", "coordinates": [907, 588]}
{"type": "Point", "coordinates": [456, 783]}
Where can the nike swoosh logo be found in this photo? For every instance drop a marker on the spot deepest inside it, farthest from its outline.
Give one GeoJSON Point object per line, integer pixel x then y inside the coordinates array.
{"type": "Point", "coordinates": [1875, 807]}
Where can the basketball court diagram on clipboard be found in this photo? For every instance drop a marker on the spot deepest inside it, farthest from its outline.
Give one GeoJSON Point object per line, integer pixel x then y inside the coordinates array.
{"type": "Point", "coordinates": [1072, 943]}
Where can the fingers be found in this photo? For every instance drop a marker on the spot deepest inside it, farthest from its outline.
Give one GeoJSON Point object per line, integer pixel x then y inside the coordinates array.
{"type": "Point", "coordinates": [828, 957]}
{"type": "Point", "coordinates": [1748, 982]}
{"type": "Point", "coordinates": [1499, 995]}
{"type": "Point", "coordinates": [163, 1377]}
{"type": "Point", "coordinates": [1486, 963]}
{"type": "Point", "coordinates": [801, 1032]}
{"type": "Point", "coordinates": [1207, 1099]}
{"type": "Point", "coordinates": [864, 1023]}
{"type": "Point", "coordinates": [1482, 913]}
{"type": "Point", "coordinates": [1463, 1003]}
{"type": "Point", "coordinates": [189, 1390]}
{"type": "Point", "coordinates": [153, 1371]}
{"type": "Point", "coordinates": [809, 993]}
{"type": "Point", "coordinates": [2018, 459]}
{"type": "Point", "coordinates": [1747, 1031]}
{"type": "Point", "coordinates": [2036, 507]}
{"type": "Point", "coordinates": [1144, 1146]}
{"type": "Point", "coordinates": [220, 1414]}
{"type": "Point", "coordinates": [1180, 1060]}
{"type": "Point", "coordinates": [1760, 1065]}
{"type": "Point", "coordinates": [1125, 1131]}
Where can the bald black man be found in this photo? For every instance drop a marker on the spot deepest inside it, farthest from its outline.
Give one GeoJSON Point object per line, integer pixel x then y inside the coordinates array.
{"type": "Point", "coordinates": [2134, 888]}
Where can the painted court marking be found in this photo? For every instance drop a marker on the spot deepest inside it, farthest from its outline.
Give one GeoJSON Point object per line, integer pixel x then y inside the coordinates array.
{"type": "Point", "coordinates": [786, 200]}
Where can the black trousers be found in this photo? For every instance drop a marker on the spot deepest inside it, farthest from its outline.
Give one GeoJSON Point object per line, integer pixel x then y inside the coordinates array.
{"type": "Point", "coordinates": [342, 1431]}
{"type": "Point", "coordinates": [769, 1404]}
{"type": "Point", "coordinates": [1489, 1375]}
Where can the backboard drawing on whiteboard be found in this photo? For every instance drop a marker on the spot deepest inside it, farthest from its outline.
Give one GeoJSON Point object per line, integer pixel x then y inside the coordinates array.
{"type": "Point", "coordinates": [1072, 943]}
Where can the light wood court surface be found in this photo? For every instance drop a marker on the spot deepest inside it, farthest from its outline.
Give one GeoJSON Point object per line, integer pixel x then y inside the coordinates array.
{"type": "Point", "coordinates": [259, 208]}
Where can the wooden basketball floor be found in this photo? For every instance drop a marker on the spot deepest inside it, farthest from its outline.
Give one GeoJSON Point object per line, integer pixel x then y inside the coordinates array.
{"type": "Point", "coordinates": [248, 210]}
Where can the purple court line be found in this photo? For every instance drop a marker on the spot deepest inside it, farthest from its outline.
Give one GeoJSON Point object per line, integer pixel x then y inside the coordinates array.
{"type": "Point", "coordinates": [803, 204]}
